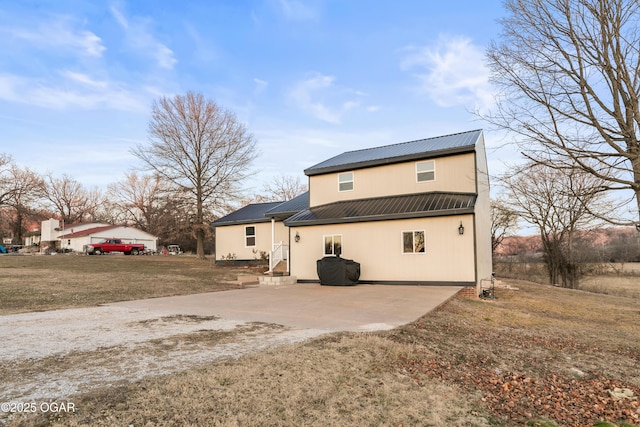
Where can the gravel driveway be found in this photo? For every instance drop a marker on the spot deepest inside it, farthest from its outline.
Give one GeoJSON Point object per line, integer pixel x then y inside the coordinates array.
{"type": "Point", "coordinates": [54, 354]}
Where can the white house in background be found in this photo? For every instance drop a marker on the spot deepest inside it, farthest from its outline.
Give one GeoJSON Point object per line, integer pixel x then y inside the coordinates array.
{"type": "Point", "coordinates": [76, 236]}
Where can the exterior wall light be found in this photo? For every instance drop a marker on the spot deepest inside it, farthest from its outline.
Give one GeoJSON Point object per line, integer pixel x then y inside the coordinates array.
{"type": "Point", "coordinates": [461, 229]}
{"type": "Point", "coordinates": [297, 237]}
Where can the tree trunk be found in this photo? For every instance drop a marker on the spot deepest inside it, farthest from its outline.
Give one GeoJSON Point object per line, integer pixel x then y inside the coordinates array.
{"type": "Point", "coordinates": [17, 227]}
{"type": "Point", "coordinates": [637, 191]}
{"type": "Point", "coordinates": [200, 232]}
{"type": "Point", "coordinates": [200, 235]}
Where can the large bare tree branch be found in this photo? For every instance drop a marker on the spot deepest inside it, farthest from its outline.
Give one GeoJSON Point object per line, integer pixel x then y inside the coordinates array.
{"type": "Point", "coordinates": [283, 187]}
{"type": "Point", "coordinates": [503, 221]}
{"type": "Point", "coordinates": [138, 199]}
{"type": "Point", "coordinates": [70, 199]}
{"type": "Point", "coordinates": [6, 183]}
{"type": "Point", "coordinates": [568, 75]}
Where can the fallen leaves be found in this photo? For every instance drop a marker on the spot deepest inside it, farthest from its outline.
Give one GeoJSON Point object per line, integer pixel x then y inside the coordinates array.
{"type": "Point", "coordinates": [519, 397]}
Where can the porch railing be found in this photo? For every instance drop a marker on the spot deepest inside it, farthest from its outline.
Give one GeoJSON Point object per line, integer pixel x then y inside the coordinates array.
{"type": "Point", "coordinates": [280, 252]}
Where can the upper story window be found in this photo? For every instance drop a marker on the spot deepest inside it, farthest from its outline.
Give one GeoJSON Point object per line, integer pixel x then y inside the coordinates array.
{"type": "Point", "coordinates": [426, 171]}
{"type": "Point", "coordinates": [345, 181]}
{"type": "Point", "coordinates": [250, 236]}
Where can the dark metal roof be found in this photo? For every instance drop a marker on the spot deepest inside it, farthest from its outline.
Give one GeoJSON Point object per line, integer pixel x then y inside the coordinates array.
{"type": "Point", "coordinates": [248, 214]}
{"type": "Point", "coordinates": [288, 208]}
{"type": "Point", "coordinates": [412, 150]}
{"type": "Point", "coordinates": [386, 208]}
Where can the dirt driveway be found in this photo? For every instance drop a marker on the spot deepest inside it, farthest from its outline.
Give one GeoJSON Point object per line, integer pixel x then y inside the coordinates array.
{"type": "Point", "coordinates": [54, 354]}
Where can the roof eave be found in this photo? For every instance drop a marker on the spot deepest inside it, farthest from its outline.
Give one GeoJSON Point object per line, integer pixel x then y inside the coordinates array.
{"type": "Point", "coordinates": [392, 160]}
{"type": "Point", "coordinates": [239, 222]}
{"type": "Point", "coordinates": [370, 218]}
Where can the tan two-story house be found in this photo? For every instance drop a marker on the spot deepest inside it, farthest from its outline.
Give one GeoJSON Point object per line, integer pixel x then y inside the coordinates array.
{"type": "Point", "coordinates": [410, 213]}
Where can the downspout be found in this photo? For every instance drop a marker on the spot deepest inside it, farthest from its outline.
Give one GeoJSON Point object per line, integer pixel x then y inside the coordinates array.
{"type": "Point", "coordinates": [273, 242]}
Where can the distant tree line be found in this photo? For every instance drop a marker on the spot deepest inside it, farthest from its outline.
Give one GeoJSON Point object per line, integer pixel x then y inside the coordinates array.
{"type": "Point", "coordinates": [610, 245]}
{"type": "Point", "coordinates": [145, 201]}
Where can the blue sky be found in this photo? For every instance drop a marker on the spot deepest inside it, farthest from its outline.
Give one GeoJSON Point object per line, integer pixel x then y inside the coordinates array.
{"type": "Point", "coordinates": [311, 78]}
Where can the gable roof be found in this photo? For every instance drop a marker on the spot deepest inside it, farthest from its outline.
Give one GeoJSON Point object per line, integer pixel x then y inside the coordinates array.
{"type": "Point", "coordinates": [88, 231]}
{"type": "Point", "coordinates": [288, 208]}
{"type": "Point", "coordinates": [386, 208]}
{"type": "Point", "coordinates": [101, 229]}
{"type": "Point", "coordinates": [254, 212]}
{"type": "Point", "coordinates": [388, 154]}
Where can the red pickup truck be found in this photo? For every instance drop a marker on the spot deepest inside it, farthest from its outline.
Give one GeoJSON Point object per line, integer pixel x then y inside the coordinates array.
{"type": "Point", "coordinates": [114, 245]}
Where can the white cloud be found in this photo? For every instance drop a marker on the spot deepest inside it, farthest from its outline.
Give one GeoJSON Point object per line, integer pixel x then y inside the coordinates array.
{"type": "Point", "coordinates": [350, 105]}
{"type": "Point", "coordinates": [303, 94]}
{"type": "Point", "coordinates": [120, 18]}
{"type": "Point", "coordinates": [452, 72]}
{"type": "Point", "coordinates": [90, 43]}
{"type": "Point", "coordinates": [296, 10]}
{"type": "Point", "coordinates": [204, 50]}
{"type": "Point", "coordinates": [164, 56]}
{"type": "Point", "coordinates": [261, 86]}
{"type": "Point", "coordinates": [319, 96]}
{"type": "Point", "coordinates": [84, 79]}
{"type": "Point", "coordinates": [77, 90]}
{"type": "Point", "coordinates": [58, 32]}
{"type": "Point", "coordinates": [141, 39]}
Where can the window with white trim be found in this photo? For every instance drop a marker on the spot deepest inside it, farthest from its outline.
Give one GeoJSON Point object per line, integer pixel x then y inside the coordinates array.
{"type": "Point", "coordinates": [345, 181]}
{"type": "Point", "coordinates": [413, 242]}
{"type": "Point", "coordinates": [332, 245]}
{"type": "Point", "coordinates": [250, 236]}
{"type": "Point", "coordinates": [426, 171]}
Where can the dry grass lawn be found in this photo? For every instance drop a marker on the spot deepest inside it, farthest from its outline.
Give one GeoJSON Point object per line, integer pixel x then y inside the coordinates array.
{"type": "Point", "coordinates": [628, 286]}
{"type": "Point", "coordinates": [41, 282]}
{"type": "Point", "coordinates": [539, 356]}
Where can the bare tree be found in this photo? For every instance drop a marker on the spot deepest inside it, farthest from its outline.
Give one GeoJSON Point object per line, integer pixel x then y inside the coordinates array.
{"type": "Point", "coordinates": [568, 75]}
{"type": "Point", "coordinates": [503, 221]}
{"type": "Point", "coordinates": [202, 149]}
{"type": "Point", "coordinates": [25, 190]}
{"type": "Point", "coordinates": [69, 199]}
{"type": "Point", "coordinates": [155, 206]}
{"type": "Point", "coordinates": [175, 224]}
{"type": "Point", "coordinates": [138, 199]}
{"type": "Point", "coordinates": [6, 184]}
{"type": "Point", "coordinates": [545, 198]}
{"type": "Point", "coordinates": [283, 187]}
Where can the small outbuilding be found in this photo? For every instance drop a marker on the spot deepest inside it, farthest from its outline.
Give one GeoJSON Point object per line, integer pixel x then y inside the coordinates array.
{"type": "Point", "coordinates": [75, 236]}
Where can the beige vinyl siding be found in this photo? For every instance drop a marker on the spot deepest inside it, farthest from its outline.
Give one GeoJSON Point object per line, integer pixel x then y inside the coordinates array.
{"type": "Point", "coordinates": [231, 239]}
{"type": "Point", "coordinates": [452, 173]}
{"type": "Point", "coordinates": [378, 247]}
{"type": "Point", "coordinates": [484, 256]}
